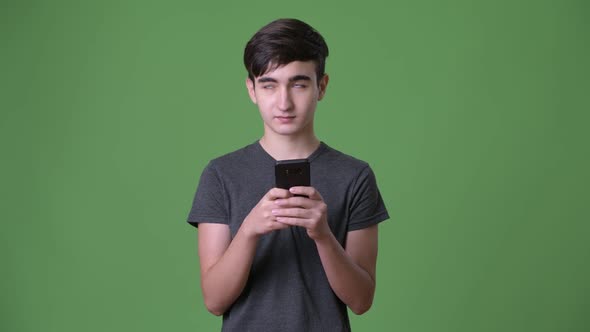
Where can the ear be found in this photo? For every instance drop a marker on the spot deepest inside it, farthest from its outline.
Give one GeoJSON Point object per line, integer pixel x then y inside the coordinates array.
{"type": "Point", "coordinates": [250, 86]}
{"type": "Point", "coordinates": [323, 85]}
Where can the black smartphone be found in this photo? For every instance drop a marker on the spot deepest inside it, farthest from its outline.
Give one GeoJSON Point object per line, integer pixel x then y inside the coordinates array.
{"type": "Point", "coordinates": [292, 173]}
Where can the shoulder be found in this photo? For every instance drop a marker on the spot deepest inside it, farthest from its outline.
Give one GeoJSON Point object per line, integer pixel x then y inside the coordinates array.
{"type": "Point", "coordinates": [338, 161]}
{"type": "Point", "coordinates": [233, 158]}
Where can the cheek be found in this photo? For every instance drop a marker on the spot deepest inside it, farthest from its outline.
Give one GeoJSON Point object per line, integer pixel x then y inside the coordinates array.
{"type": "Point", "coordinates": [311, 103]}
{"type": "Point", "coordinates": [265, 106]}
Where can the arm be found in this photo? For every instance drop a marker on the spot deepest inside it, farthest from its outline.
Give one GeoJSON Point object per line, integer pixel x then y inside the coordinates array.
{"type": "Point", "coordinates": [225, 263]}
{"type": "Point", "coordinates": [350, 272]}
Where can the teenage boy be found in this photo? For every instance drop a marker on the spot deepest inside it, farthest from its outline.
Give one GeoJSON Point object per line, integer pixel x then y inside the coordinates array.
{"type": "Point", "coordinates": [287, 260]}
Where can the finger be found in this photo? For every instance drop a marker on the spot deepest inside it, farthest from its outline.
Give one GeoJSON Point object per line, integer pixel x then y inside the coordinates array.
{"type": "Point", "coordinates": [275, 226]}
{"type": "Point", "coordinates": [275, 193]}
{"type": "Point", "coordinates": [296, 201]}
{"type": "Point", "coordinates": [292, 212]}
{"type": "Point", "coordinates": [293, 221]}
{"type": "Point", "coordinates": [310, 192]}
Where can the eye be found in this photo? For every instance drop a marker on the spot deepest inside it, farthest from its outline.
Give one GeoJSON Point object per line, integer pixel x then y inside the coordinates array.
{"type": "Point", "coordinates": [268, 86]}
{"type": "Point", "coordinates": [300, 85]}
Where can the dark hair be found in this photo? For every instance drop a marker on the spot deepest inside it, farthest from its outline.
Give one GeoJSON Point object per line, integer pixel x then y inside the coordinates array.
{"type": "Point", "coordinates": [281, 42]}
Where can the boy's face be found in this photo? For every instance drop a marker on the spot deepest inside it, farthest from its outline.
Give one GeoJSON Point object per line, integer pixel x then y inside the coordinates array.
{"type": "Point", "coordinates": [287, 98]}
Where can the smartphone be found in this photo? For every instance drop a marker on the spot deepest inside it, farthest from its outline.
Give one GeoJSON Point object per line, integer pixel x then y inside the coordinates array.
{"type": "Point", "coordinates": [292, 173]}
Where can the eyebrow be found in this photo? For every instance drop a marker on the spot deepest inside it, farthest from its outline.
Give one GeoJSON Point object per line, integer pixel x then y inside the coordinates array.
{"type": "Point", "coordinates": [300, 78]}
{"type": "Point", "coordinates": [291, 79]}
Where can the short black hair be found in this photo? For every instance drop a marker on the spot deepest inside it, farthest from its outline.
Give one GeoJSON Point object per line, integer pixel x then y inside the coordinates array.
{"type": "Point", "coordinates": [283, 41]}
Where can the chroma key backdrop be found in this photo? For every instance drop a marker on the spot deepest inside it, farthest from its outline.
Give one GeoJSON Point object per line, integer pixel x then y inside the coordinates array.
{"type": "Point", "coordinates": [473, 115]}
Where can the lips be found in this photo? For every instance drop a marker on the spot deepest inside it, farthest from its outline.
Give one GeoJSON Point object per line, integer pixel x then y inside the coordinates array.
{"type": "Point", "coordinates": [285, 119]}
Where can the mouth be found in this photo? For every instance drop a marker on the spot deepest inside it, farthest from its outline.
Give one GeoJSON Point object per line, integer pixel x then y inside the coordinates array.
{"type": "Point", "coordinates": [285, 119]}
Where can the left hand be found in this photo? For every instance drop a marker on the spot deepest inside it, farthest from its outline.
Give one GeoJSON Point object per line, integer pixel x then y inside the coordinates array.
{"type": "Point", "coordinates": [309, 212]}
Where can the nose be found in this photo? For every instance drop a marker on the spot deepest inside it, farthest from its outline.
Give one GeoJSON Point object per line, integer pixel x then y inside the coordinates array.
{"type": "Point", "coordinates": [285, 103]}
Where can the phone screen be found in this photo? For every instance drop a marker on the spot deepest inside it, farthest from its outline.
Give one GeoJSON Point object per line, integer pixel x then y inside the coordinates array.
{"type": "Point", "coordinates": [292, 173]}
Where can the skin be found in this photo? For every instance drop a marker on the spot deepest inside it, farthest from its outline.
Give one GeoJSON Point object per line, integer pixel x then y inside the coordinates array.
{"type": "Point", "coordinates": [287, 98]}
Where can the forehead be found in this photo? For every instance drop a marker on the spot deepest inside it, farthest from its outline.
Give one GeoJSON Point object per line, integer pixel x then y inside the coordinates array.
{"type": "Point", "coordinates": [291, 69]}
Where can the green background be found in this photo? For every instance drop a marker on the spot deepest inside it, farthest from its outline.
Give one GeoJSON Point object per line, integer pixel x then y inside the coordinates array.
{"type": "Point", "coordinates": [473, 114]}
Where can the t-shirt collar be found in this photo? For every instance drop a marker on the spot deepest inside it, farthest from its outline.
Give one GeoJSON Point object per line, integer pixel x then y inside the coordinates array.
{"type": "Point", "coordinates": [320, 149]}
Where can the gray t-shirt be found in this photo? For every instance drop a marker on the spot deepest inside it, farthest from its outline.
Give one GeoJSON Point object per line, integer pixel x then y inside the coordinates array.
{"type": "Point", "coordinates": [287, 289]}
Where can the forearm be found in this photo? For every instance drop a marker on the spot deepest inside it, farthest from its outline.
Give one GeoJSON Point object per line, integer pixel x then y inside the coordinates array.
{"type": "Point", "coordinates": [223, 282]}
{"type": "Point", "coordinates": [351, 283]}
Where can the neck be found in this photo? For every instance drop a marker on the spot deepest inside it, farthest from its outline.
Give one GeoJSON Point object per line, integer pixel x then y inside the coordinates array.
{"type": "Point", "coordinates": [283, 147]}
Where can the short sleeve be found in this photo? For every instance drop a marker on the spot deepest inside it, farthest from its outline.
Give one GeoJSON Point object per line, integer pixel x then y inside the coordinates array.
{"type": "Point", "coordinates": [367, 207]}
{"type": "Point", "coordinates": [209, 203]}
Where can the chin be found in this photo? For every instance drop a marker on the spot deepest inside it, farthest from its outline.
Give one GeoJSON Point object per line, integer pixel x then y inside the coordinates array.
{"type": "Point", "coordinates": [288, 130]}
{"type": "Point", "coordinates": [285, 129]}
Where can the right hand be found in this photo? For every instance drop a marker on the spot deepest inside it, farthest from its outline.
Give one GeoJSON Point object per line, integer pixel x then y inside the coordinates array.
{"type": "Point", "coordinates": [260, 220]}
